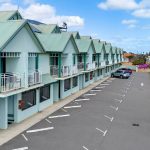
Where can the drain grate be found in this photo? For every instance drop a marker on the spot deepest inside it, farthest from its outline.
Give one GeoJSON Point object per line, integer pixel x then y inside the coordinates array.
{"type": "Point", "coordinates": [135, 125]}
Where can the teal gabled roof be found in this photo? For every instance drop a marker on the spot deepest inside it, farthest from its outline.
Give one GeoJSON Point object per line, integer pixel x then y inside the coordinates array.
{"type": "Point", "coordinates": [55, 42]}
{"type": "Point", "coordinates": [99, 46]}
{"type": "Point", "coordinates": [108, 48]}
{"type": "Point", "coordinates": [76, 34]}
{"type": "Point", "coordinates": [86, 37]}
{"type": "Point", "coordinates": [47, 28]}
{"type": "Point", "coordinates": [9, 29]}
{"type": "Point", "coordinates": [83, 45]}
{"type": "Point", "coordinates": [7, 15]}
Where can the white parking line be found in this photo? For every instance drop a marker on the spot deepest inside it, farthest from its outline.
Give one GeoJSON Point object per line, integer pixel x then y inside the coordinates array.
{"type": "Point", "coordinates": [23, 148]}
{"type": "Point", "coordinates": [110, 118]}
{"type": "Point", "coordinates": [118, 100]}
{"type": "Point", "coordinates": [59, 116]}
{"type": "Point", "coordinates": [48, 121]}
{"type": "Point", "coordinates": [100, 87]}
{"type": "Point", "coordinates": [104, 84]}
{"type": "Point", "coordinates": [96, 90]}
{"type": "Point", "coordinates": [85, 148]}
{"type": "Point", "coordinates": [85, 99]}
{"type": "Point", "coordinates": [104, 132]}
{"type": "Point", "coordinates": [63, 110]}
{"type": "Point", "coordinates": [90, 94]}
{"type": "Point", "coordinates": [38, 130]}
{"type": "Point", "coordinates": [78, 106]}
{"type": "Point", "coordinates": [116, 108]}
{"type": "Point", "coordinates": [24, 137]}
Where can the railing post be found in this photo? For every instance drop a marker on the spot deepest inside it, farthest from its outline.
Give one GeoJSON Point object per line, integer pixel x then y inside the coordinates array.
{"type": "Point", "coordinates": [59, 65]}
{"type": "Point", "coordinates": [84, 62]}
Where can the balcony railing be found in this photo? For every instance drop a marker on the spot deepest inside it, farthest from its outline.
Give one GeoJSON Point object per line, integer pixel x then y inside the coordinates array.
{"type": "Point", "coordinates": [34, 78]}
{"type": "Point", "coordinates": [74, 70]}
{"type": "Point", "coordinates": [103, 63]}
{"type": "Point", "coordinates": [65, 71]}
{"type": "Point", "coordinates": [11, 81]}
{"type": "Point", "coordinates": [54, 70]}
{"type": "Point", "coordinates": [81, 66]}
{"type": "Point", "coordinates": [91, 66]}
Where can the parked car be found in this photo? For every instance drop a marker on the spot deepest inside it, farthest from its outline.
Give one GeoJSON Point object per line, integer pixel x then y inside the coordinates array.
{"type": "Point", "coordinates": [121, 74]}
{"type": "Point", "coordinates": [126, 69]}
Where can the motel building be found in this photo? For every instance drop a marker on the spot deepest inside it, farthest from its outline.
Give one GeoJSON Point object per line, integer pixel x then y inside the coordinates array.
{"type": "Point", "coordinates": [40, 65]}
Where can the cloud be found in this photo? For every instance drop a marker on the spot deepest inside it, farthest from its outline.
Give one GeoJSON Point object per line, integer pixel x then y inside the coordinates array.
{"type": "Point", "coordinates": [118, 4]}
{"type": "Point", "coordinates": [8, 6]}
{"type": "Point", "coordinates": [133, 44]}
{"type": "Point", "coordinates": [142, 13]}
{"type": "Point", "coordinates": [146, 27]}
{"type": "Point", "coordinates": [26, 2]}
{"type": "Point", "coordinates": [44, 13]}
{"type": "Point", "coordinates": [130, 23]}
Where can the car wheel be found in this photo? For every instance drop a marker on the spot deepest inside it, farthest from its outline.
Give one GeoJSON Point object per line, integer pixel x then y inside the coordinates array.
{"type": "Point", "coordinates": [121, 77]}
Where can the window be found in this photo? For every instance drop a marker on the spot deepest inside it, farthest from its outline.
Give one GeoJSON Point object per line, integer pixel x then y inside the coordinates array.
{"type": "Point", "coordinates": [91, 75]}
{"type": "Point", "coordinates": [94, 57]}
{"type": "Point", "coordinates": [44, 93]}
{"type": "Point", "coordinates": [86, 77]}
{"type": "Point", "coordinates": [29, 99]}
{"type": "Point", "coordinates": [79, 58]}
{"type": "Point", "coordinates": [67, 85]}
{"type": "Point", "coordinates": [74, 82]}
{"type": "Point", "coordinates": [99, 72]}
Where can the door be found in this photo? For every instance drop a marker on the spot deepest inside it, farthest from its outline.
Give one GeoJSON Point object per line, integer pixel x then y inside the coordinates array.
{"type": "Point", "coordinates": [10, 109]}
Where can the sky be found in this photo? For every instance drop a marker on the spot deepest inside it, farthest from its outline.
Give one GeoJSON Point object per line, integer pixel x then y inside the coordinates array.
{"type": "Point", "coordinates": [124, 23]}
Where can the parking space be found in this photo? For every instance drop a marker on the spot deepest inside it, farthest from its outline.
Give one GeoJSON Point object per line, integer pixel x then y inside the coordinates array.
{"type": "Point", "coordinates": [96, 120]}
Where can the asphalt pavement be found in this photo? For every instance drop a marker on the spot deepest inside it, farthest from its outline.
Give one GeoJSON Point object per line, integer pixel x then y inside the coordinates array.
{"type": "Point", "coordinates": [112, 116]}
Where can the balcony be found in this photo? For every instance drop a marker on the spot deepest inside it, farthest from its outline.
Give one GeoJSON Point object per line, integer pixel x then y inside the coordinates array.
{"type": "Point", "coordinates": [65, 71]}
{"type": "Point", "coordinates": [34, 78]}
{"type": "Point", "coordinates": [80, 65]}
{"type": "Point", "coordinates": [102, 63]}
{"type": "Point", "coordinates": [54, 70]}
{"type": "Point", "coordinates": [74, 70]}
{"type": "Point", "coordinates": [11, 81]}
{"type": "Point", "coordinates": [91, 66]}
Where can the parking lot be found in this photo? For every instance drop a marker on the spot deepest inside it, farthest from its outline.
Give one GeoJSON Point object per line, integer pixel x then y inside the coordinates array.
{"type": "Point", "coordinates": [112, 116]}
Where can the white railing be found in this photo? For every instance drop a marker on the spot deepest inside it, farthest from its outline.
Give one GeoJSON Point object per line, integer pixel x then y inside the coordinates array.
{"type": "Point", "coordinates": [115, 61]}
{"type": "Point", "coordinates": [110, 62]}
{"type": "Point", "coordinates": [80, 65]}
{"type": "Point", "coordinates": [54, 70]}
{"type": "Point", "coordinates": [103, 63]}
{"type": "Point", "coordinates": [91, 66]}
{"type": "Point", "coordinates": [74, 70]}
{"type": "Point", "coordinates": [34, 78]}
{"type": "Point", "coordinates": [65, 71]}
{"type": "Point", "coordinates": [11, 81]}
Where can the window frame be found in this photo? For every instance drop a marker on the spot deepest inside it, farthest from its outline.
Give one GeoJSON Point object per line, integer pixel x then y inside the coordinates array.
{"type": "Point", "coordinates": [42, 89]}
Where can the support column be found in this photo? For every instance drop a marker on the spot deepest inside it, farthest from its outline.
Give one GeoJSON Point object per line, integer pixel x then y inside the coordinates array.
{"type": "Point", "coordinates": [84, 62]}
{"type": "Point", "coordinates": [59, 65]}
{"type": "Point", "coordinates": [37, 62]}
{"type": "Point", "coordinates": [3, 113]}
{"type": "Point", "coordinates": [98, 60]}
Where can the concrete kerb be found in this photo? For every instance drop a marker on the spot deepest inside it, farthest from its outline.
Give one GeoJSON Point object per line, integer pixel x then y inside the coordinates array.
{"type": "Point", "coordinates": [16, 129]}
